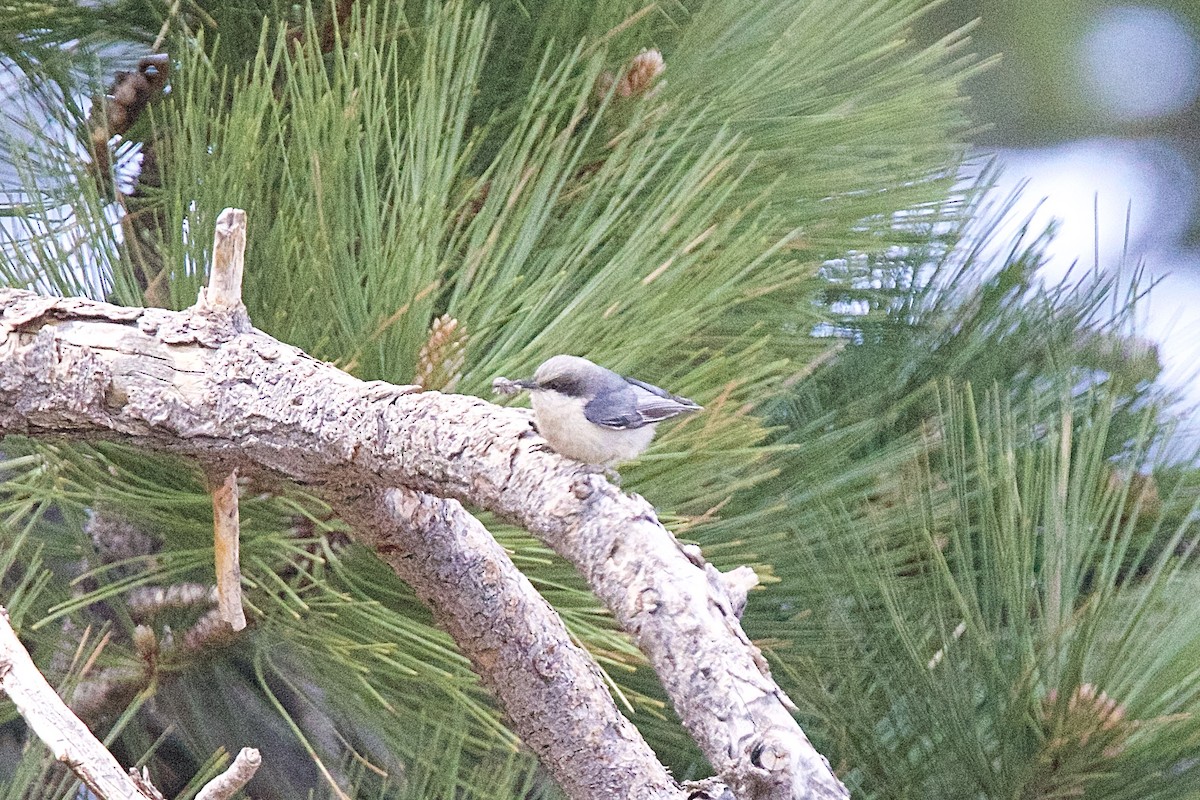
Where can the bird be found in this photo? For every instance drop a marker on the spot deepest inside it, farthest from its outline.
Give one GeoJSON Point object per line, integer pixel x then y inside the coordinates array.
{"type": "Point", "coordinates": [593, 415]}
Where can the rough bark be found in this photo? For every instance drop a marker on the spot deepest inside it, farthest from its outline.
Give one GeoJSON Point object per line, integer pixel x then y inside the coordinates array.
{"type": "Point", "coordinates": [191, 383]}
{"type": "Point", "coordinates": [552, 691]}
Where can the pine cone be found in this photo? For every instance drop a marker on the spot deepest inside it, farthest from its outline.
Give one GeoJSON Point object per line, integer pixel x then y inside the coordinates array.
{"type": "Point", "coordinates": [440, 362]}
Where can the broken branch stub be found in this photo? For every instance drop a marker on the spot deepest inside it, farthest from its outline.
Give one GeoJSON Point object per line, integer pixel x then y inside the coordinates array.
{"type": "Point", "coordinates": [224, 291]}
{"type": "Point", "coordinates": [239, 773]}
{"type": "Point", "coordinates": [226, 544]}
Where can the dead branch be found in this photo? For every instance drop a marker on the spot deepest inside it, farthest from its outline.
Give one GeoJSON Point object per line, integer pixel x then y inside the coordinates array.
{"type": "Point", "coordinates": [227, 784]}
{"type": "Point", "coordinates": [226, 544]}
{"type": "Point", "coordinates": [551, 690]}
{"type": "Point", "coordinates": [194, 384]}
{"type": "Point", "coordinates": [68, 738]}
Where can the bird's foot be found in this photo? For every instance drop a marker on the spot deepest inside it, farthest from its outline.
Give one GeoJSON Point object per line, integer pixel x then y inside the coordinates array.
{"type": "Point", "coordinates": [611, 474]}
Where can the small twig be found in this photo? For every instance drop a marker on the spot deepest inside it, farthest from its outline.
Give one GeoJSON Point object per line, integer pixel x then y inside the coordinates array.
{"type": "Point", "coordinates": [227, 784]}
{"type": "Point", "coordinates": [161, 39]}
{"type": "Point", "coordinates": [64, 733]}
{"type": "Point", "coordinates": [226, 532]}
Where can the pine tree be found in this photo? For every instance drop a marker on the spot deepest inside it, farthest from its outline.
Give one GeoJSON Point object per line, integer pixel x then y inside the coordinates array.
{"type": "Point", "coordinates": [976, 556]}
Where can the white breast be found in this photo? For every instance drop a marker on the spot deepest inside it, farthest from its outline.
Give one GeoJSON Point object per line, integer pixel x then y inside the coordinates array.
{"type": "Point", "coordinates": [561, 422]}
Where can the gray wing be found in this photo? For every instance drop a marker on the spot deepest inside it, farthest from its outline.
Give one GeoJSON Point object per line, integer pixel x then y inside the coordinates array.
{"type": "Point", "coordinates": [634, 405]}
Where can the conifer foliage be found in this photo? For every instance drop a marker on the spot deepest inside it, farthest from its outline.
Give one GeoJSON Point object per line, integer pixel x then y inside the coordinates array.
{"type": "Point", "coordinates": [976, 558]}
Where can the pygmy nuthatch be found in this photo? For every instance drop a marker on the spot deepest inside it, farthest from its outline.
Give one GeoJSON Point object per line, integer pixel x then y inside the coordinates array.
{"type": "Point", "coordinates": [592, 414]}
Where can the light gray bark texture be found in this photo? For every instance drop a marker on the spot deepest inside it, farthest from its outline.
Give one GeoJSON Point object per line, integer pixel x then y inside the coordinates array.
{"type": "Point", "coordinates": [193, 383]}
{"type": "Point", "coordinates": [62, 732]}
{"type": "Point", "coordinates": [552, 691]}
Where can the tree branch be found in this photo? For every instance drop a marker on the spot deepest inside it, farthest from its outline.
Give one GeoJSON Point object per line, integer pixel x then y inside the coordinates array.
{"type": "Point", "coordinates": [192, 383]}
{"type": "Point", "coordinates": [51, 721]}
{"type": "Point", "coordinates": [551, 690]}
{"type": "Point", "coordinates": [227, 784]}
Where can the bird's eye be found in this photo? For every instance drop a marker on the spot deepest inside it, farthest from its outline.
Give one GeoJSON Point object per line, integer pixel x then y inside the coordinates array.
{"type": "Point", "coordinates": [562, 385]}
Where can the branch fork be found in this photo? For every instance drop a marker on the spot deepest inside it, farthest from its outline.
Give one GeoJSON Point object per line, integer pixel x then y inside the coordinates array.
{"type": "Point", "coordinates": [397, 465]}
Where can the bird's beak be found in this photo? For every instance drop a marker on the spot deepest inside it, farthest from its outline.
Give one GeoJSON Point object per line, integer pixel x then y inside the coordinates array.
{"type": "Point", "coordinates": [505, 386]}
